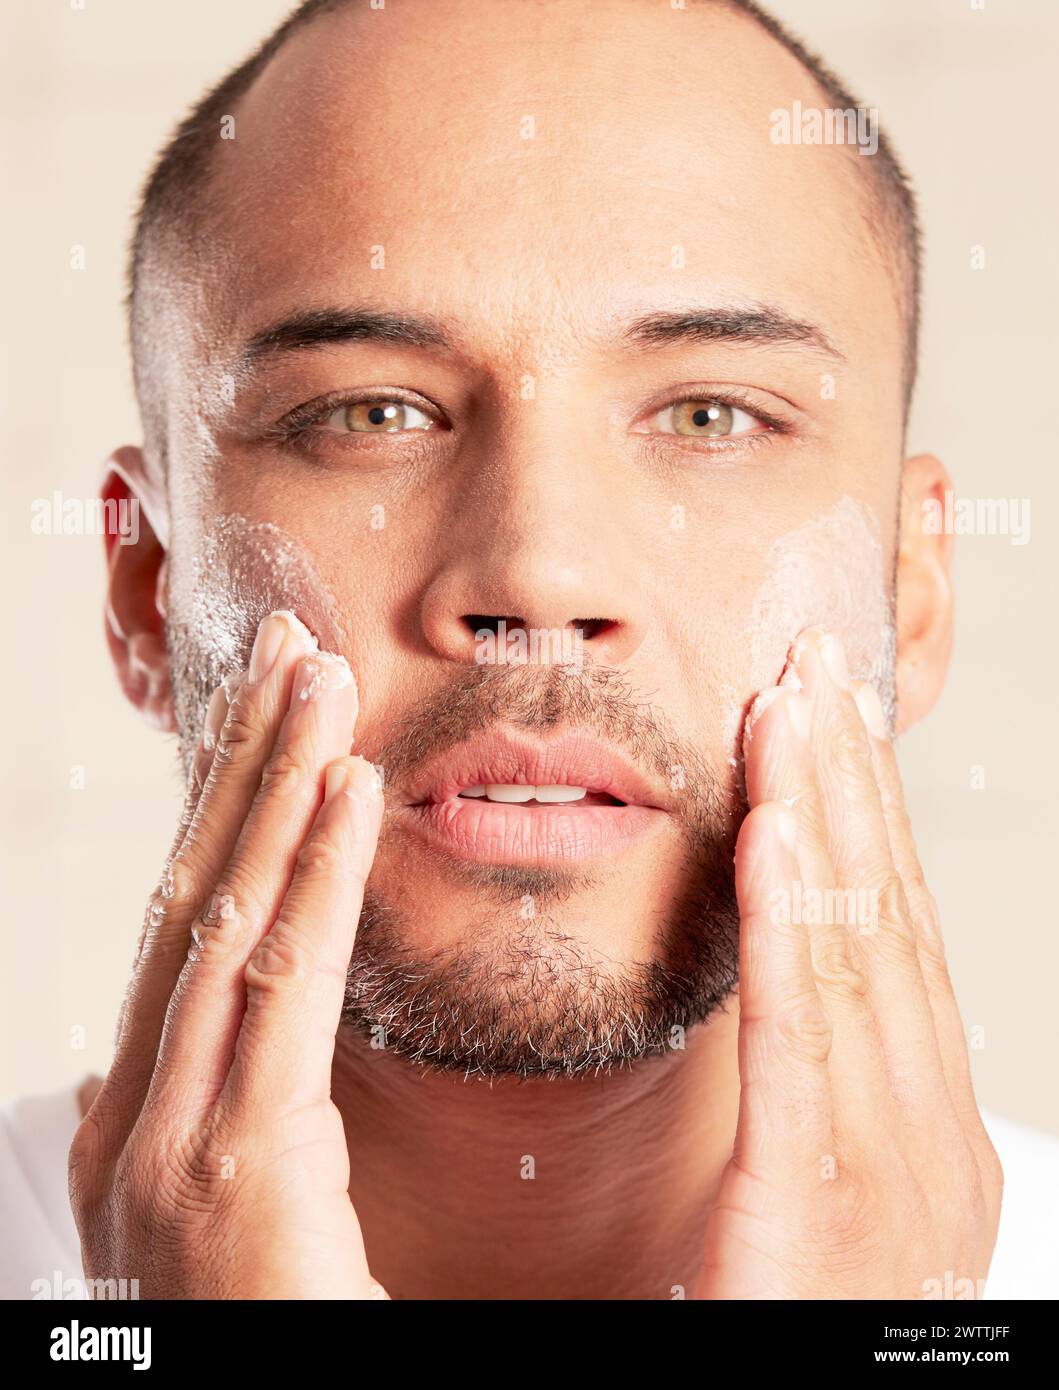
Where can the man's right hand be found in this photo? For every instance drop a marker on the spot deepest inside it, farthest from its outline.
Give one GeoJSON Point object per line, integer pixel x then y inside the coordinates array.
{"type": "Point", "coordinates": [213, 1163]}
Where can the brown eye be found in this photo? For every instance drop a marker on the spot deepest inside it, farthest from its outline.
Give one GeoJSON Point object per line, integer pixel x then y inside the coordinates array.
{"type": "Point", "coordinates": [377, 417]}
{"type": "Point", "coordinates": [705, 419]}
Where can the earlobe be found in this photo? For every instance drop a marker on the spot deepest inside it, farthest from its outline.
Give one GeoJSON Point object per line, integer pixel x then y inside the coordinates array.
{"type": "Point", "coordinates": [136, 570]}
{"type": "Point", "coordinates": [924, 590]}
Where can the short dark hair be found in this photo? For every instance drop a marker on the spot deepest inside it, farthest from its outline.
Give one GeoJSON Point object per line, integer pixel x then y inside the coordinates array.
{"type": "Point", "coordinates": [178, 181]}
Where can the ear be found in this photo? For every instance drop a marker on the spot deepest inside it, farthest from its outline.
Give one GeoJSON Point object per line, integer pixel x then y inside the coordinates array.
{"type": "Point", "coordinates": [136, 576]}
{"type": "Point", "coordinates": [924, 590]}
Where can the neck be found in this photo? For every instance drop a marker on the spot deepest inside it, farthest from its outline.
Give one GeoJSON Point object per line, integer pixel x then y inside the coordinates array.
{"type": "Point", "coordinates": [580, 1188]}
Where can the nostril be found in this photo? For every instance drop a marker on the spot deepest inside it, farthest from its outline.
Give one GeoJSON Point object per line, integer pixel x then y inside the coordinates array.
{"type": "Point", "coordinates": [590, 628]}
{"type": "Point", "coordinates": [489, 622]}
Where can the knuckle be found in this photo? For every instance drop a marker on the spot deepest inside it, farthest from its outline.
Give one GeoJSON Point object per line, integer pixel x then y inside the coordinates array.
{"type": "Point", "coordinates": [178, 888]}
{"type": "Point", "coordinates": [162, 1194]}
{"type": "Point", "coordinates": [227, 903]}
{"type": "Point", "coordinates": [147, 1162]}
{"type": "Point", "coordinates": [158, 1204]}
{"type": "Point", "coordinates": [217, 935]}
{"type": "Point", "coordinates": [847, 1221]}
{"type": "Point", "coordinates": [237, 904]}
{"type": "Point", "coordinates": [846, 750]}
{"type": "Point", "coordinates": [287, 773]}
{"type": "Point", "coordinates": [279, 965]}
{"type": "Point", "coordinates": [243, 732]}
{"type": "Point", "coordinates": [195, 1173]}
{"type": "Point", "coordinates": [891, 928]}
{"type": "Point", "coordinates": [170, 906]}
{"type": "Point", "coordinates": [805, 1031]}
{"type": "Point", "coordinates": [206, 973]}
{"type": "Point", "coordinates": [321, 855]}
{"type": "Point", "coordinates": [838, 966]}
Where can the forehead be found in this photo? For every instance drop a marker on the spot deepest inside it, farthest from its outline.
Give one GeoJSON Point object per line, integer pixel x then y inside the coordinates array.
{"type": "Point", "coordinates": [531, 172]}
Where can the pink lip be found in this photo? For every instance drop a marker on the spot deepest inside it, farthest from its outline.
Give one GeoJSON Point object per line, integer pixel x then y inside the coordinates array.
{"type": "Point", "coordinates": [496, 833]}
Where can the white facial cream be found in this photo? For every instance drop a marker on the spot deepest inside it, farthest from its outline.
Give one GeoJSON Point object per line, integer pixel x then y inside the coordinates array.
{"type": "Point", "coordinates": [830, 572]}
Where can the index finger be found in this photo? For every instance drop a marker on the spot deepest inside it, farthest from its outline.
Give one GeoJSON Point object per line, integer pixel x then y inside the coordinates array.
{"type": "Point", "coordinates": [212, 825]}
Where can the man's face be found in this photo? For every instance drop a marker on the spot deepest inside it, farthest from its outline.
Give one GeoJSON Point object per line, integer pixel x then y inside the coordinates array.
{"type": "Point", "coordinates": [535, 189]}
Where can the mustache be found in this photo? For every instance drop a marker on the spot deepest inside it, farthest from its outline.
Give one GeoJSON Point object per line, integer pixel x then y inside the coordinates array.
{"type": "Point", "coordinates": [542, 698]}
{"type": "Point", "coordinates": [535, 697]}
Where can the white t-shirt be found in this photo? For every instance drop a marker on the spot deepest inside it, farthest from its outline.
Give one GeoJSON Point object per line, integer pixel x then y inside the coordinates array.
{"type": "Point", "coordinates": [41, 1253]}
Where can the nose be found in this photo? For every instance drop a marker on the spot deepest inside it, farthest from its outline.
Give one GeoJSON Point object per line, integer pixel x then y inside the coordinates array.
{"type": "Point", "coordinates": [540, 545]}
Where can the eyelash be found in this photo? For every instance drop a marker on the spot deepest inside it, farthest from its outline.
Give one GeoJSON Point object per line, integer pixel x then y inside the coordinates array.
{"type": "Point", "coordinates": [296, 427]}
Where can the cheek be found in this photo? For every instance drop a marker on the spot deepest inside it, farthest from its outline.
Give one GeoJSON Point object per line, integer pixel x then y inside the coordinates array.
{"type": "Point", "coordinates": [830, 573]}
{"type": "Point", "coordinates": [240, 571]}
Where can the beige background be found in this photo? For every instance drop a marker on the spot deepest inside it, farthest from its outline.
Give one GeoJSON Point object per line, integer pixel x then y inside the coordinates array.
{"type": "Point", "coordinates": [90, 90]}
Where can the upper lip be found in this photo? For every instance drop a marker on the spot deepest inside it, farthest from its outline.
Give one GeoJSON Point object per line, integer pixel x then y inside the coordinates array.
{"type": "Point", "coordinates": [575, 758]}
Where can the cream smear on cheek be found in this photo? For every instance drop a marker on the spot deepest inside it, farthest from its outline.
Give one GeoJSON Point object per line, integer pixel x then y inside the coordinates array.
{"type": "Point", "coordinates": [240, 571]}
{"type": "Point", "coordinates": [832, 573]}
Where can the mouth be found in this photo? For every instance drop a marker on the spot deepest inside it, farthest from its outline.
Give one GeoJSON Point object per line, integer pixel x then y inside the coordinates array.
{"type": "Point", "coordinates": [505, 798]}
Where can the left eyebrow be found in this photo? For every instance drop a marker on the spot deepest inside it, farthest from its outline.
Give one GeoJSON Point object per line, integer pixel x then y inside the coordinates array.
{"type": "Point", "coordinates": [757, 325]}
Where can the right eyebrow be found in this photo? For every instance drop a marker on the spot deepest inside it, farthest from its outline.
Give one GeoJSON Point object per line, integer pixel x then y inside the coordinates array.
{"type": "Point", "coordinates": [321, 327]}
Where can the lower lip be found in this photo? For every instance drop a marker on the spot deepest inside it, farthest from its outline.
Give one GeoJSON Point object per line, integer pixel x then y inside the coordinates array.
{"type": "Point", "coordinates": [492, 832]}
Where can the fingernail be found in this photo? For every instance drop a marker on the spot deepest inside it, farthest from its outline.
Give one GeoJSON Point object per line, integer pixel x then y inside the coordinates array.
{"type": "Point", "coordinates": [216, 711]}
{"type": "Point", "coordinates": [871, 711]}
{"type": "Point", "coordinates": [319, 673]}
{"type": "Point", "coordinates": [335, 780]}
{"type": "Point", "coordinates": [273, 632]}
{"type": "Point", "coordinates": [787, 825]}
{"type": "Point", "coordinates": [365, 780]}
{"type": "Point", "coordinates": [799, 714]}
{"type": "Point", "coordinates": [270, 638]}
{"type": "Point", "coordinates": [834, 659]}
{"type": "Point", "coordinates": [358, 778]}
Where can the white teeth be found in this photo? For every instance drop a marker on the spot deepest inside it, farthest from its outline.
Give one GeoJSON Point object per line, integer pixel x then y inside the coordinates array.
{"type": "Point", "coordinates": [509, 791]}
{"type": "Point", "coordinates": [560, 793]}
{"type": "Point", "coordinates": [515, 793]}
